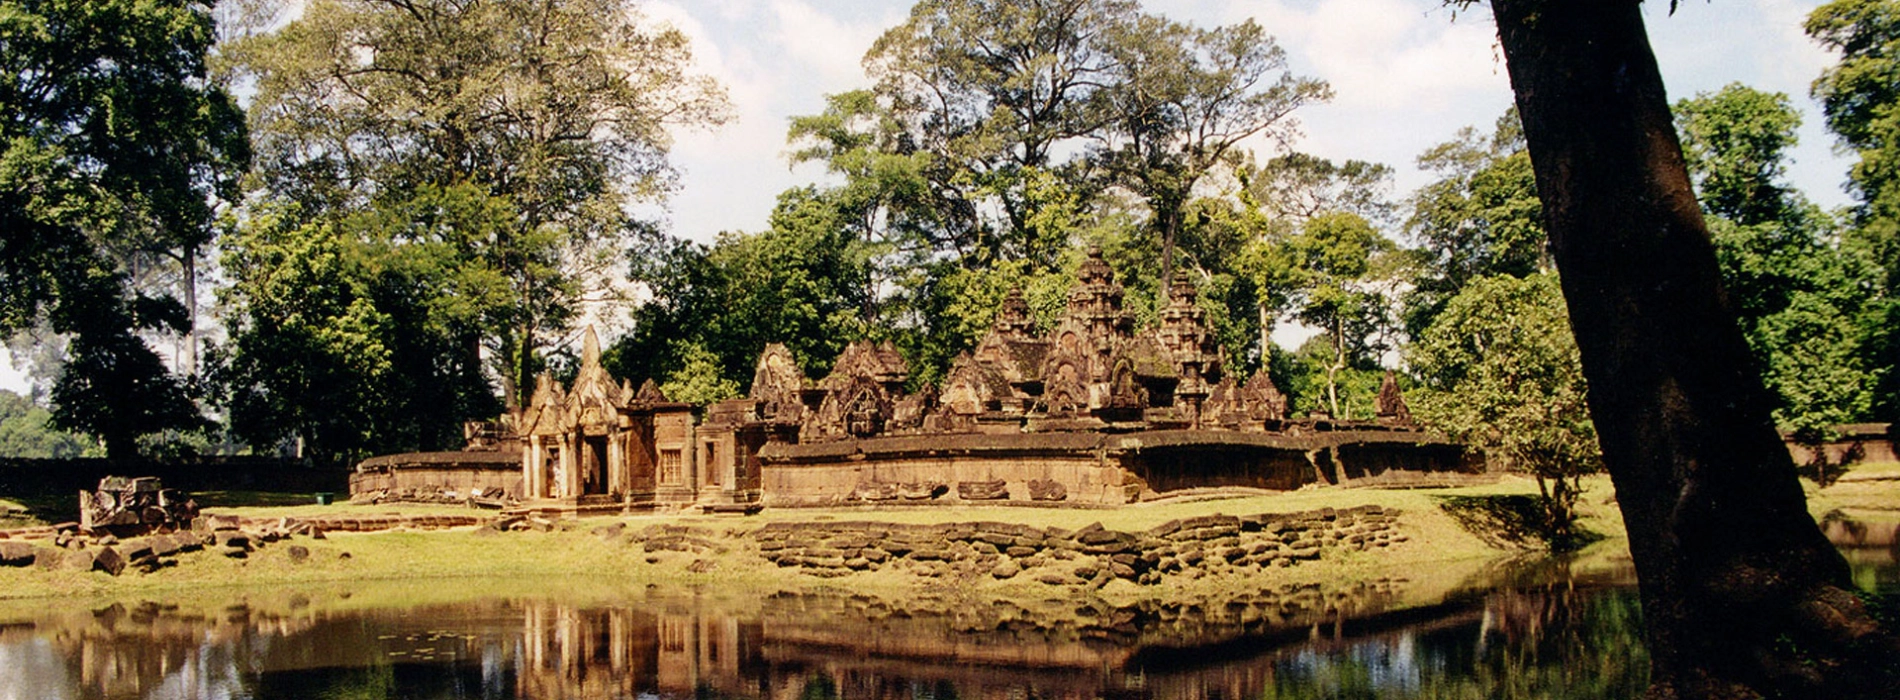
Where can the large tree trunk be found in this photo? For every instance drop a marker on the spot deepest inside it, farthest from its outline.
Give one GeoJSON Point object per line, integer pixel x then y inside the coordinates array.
{"type": "Point", "coordinates": [1741, 593]}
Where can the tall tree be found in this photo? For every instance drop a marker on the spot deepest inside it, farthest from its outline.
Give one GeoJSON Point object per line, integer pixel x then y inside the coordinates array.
{"type": "Point", "coordinates": [1742, 595]}
{"type": "Point", "coordinates": [1335, 259]}
{"type": "Point", "coordinates": [26, 431]}
{"type": "Point", "coordinates": [1276, 199]}
{"type": "Point", "coordinates": [1808, 299]}
{"type": "Point", "coordinates": [990, 88]}
{"type": "Point", "coordinates": [349, 336]}
{"type": "Point", "coordinates": [1297, 186]}
{"type": "Point", "coordinates": [800, 282]}
{"type": "Point", "coordinates": [114, 147]}
{"type": "Point", "coordinates": [1859, 96]}
{"type": "Point", "coordinates": [1182, 99]}
{"type": "Point", "coordinates": [1735, 142]}
{"type": "Point", "coordinates": [558, 110]}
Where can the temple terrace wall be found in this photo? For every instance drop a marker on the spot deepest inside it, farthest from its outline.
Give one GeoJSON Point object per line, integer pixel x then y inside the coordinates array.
{"type": "Point", "coordinates": [437, 477]}
{"type": "Point", "coordinates": [1092, 469]}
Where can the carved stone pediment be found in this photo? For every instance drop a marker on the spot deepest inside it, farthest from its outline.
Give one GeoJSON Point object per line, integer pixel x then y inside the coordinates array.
{"type": "Point", "coordinates": [650, 393]}
{"type": "Point", "coordinates": [1263, 400]}
{"type": "Point", "coordinates": [776, 384]}
{"type": "Point", "coordinates": [971, 387]}
{"type": "Point", "coordinates": [860, 408]}
{"type": "Point", "coordinates": [1392, 409]}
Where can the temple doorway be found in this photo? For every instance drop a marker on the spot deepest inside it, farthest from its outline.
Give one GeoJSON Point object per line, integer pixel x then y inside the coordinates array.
{"type": "Point", "coordinates": [593, 465]}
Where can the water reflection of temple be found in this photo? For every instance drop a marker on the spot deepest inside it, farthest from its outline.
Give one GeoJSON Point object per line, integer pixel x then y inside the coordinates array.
{"type": "Point", "coordinates": [622, 652]}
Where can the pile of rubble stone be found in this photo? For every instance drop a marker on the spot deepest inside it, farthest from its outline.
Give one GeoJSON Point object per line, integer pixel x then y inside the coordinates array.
{"type": "Point", "coordinates": [72, 547]}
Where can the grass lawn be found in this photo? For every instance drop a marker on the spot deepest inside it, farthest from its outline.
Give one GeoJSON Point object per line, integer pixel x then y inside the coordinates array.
{"type": "Point", "coordinates": [1439, 550]}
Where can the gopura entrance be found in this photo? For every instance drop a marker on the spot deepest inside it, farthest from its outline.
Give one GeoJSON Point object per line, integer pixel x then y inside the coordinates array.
{"type": "Point", "coordinates": [601, 446]}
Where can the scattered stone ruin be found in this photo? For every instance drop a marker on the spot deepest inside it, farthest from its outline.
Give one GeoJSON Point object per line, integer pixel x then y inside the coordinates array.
{"type": "Point", "coordinates": [1096, 412]}
{"type": "Point", "coordinates": [130, 505]}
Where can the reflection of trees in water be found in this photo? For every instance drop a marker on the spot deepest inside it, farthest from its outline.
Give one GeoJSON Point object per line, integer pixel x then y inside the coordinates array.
{"type": "Point", "coordinates": [116, 652]}
{"type": "Point", "coordinates": [1558, 641]}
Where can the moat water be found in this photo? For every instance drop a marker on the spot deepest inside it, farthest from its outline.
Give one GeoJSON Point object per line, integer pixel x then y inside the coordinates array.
{"type": "Point", "coordinates": [1540, 630]}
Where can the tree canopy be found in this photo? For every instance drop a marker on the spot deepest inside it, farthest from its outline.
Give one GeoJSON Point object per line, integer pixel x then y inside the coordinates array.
{"type": "Point", "coordinates": [115, 146]}
{"type": "Point", "coordinates": [473, 165]}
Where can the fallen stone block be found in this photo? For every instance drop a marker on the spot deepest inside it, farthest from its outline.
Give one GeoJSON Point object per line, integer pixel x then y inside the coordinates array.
{"type": "Point", "coordinates": [1097, 536]}
{"type": "Point", "coordinates": [139, 549]}
{"type": "Point", "coordinates": [109, 560]}
{"type": "Point", "coordinates": [298, 553]}
{"type": "Point", "coordinates": [16, 554]}
{"type": "Point", "coordinates": [163, 545]}
{"type": "Point", "coordinates": [1163, 530]}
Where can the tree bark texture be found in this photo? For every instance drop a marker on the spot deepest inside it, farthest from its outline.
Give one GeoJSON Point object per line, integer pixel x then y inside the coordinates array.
{"type": "Point", "coordinates": [1742, 594]}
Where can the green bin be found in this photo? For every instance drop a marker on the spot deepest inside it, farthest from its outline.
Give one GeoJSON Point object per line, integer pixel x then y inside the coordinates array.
{"type": "Point", "coordinates": [323, 498]}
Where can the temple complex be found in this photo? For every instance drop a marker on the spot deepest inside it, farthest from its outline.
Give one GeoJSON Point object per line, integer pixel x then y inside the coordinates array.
{"type": "Point", "coordinates": [1096, 412]}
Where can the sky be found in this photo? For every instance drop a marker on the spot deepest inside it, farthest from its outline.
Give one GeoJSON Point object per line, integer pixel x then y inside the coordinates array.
{"type": "Point", "coordinates": [1407, 74]}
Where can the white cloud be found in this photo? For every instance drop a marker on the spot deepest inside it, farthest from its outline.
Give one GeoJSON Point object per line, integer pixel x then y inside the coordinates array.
{"type": "Point", "coordinates": [830, 47]}
{"type": "Point", "coordinates": [778, 58]}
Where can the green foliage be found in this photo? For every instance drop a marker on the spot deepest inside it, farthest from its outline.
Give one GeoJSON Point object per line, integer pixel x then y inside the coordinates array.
{"type": "Point", "coordinates": [1807, 299]}
{"type": "Point", "coordinates": [1809, 308]}
{"type": "Point", "coordinates": [1296, 187]}
{"type": "Point", "coordinates": [802, 282]}
{"type": "Point", "coordinates": [962, 165]}
{"type": "Point", "coordinates": [26, 431]}
{"type": "Point", "coordinates": [114, 148]}
{"type": "Point", "coordinates": [698, 379]}
{"type": "Point", "coordinates": [988, 89]}
{"type": "Point", "coordinates": [1333, 263]}
{"type": "Point", "coordinates": [1181, 99]}
{"type": "Point", "coordinates": [1501, 372]}
{"type": "Point", "coordinates": [1481, 217]}
{"type": "Point", "coordinates": [1859, 96]}
{"type": "Point", "coordinates": [350, 336]}
{"type": "Point", "coordinates": [1735, 141]}
{"type": "Point", "coordinates": [963, 303]}
{"type": "Point", "coordinates": [1302, 373]}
